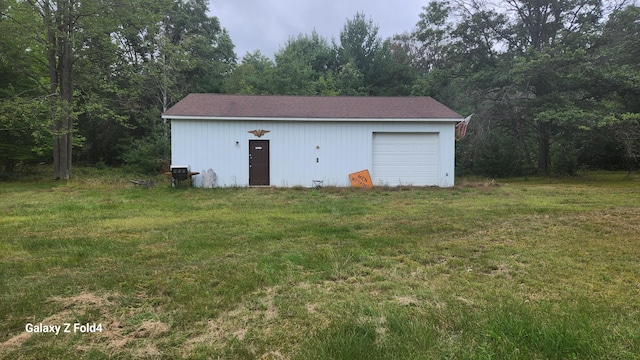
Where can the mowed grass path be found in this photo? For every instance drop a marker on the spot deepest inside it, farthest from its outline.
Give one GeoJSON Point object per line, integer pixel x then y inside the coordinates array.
{"type": "Point", "coordinates": [538, 269]}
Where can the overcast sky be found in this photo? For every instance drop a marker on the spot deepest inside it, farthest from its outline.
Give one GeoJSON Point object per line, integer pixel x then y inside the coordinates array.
{"type": "Point", "coordinates": [266, 25]}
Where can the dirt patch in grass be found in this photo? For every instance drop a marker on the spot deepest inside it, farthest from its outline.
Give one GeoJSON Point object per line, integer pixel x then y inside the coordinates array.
{"type": "Point", "coordinates": [83, 301]}
{"type": "Point", "coordinates": [258, 311]}
{"type": "Point", "coordinates": [116, 331]}
{"type": "Point", "coordinates": [407, 300]}
{"type": "Point", "coordinates": [71, 307]}
{"type": "Point", "coordinates": [15, 341]}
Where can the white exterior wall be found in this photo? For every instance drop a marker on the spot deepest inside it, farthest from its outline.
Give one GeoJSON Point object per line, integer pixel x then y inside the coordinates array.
{"type": "Point", "coordinates": [340, 147]}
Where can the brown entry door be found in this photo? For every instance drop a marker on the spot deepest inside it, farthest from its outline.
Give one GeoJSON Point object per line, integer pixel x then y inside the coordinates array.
{"type": "Point", "coordinates": [259, 163]}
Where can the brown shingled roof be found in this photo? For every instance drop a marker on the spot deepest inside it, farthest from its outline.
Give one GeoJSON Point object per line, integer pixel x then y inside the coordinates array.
{"type": "Point", "coordinates": [318, 107]}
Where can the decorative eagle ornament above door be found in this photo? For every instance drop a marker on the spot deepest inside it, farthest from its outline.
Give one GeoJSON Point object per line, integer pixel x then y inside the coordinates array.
{"type": "Point", "coordinates": [259, 132]}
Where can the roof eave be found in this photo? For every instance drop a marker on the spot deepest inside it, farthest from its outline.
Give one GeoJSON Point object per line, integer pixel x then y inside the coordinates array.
{"type": "Point", "coordinates": [226, 118]}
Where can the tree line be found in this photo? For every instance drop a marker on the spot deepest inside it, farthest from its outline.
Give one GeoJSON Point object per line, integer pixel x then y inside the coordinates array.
{"type": "Point", "coordinates": [554, 86]}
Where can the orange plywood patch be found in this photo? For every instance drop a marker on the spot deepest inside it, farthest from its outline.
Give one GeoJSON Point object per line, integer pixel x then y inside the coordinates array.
{"type": "Point", "coordinates": [361, 179]}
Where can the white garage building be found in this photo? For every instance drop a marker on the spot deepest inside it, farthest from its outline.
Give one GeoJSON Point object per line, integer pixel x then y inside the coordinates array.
{"type": "Point", "coordinates": [305, 140]}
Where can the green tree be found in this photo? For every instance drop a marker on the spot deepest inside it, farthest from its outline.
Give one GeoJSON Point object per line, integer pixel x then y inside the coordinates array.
{"type": "Point", "coordinates": [350, 81]}
{"type": "Point", "coordinates": [616, 81]}
{"type": "Point", "coordinates": [522, 65]}
{"type": "Point", "coordinates": [392, 73]}
{"type": "Point", "coordinates": [59, 34]}
{"type": "Point", "coordinates": [24, 135]}
{"type": "Point", "coordinates": [206, 44]}
{"type": "Point", "coordinates": [159, 52]}
{"type": "Point", "coordinates": [69, 31]}
{"type": "Point", "coordinates": [434, 36]}
{"type": "Point", "coordinates": [254, 76]}
{"type": "Point", "coordinates": [171, 48]}
{"type": "Point", "coordinates": [362, 64]}
{"type": "Point", "coordinates": [106, 78]}
{"type": "Point", "coordinates": [24, 127]}
{"type": "Point", "coordinates": [359, 43]}
{"type": "Point", "coordinates": [550, 40]}
{"type": "Point", "coordinates": [301, 64]}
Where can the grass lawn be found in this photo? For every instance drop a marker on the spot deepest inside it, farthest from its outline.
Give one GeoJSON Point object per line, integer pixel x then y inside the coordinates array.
{"type": "Point", "coordinates": [529, 269]}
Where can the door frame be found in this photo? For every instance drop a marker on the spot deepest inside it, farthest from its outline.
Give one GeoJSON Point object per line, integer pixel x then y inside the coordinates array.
{"type": "Point", "coordinates": [259, 180]}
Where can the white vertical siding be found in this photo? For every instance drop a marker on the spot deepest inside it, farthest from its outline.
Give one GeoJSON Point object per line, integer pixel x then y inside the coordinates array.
{"type": "Point", "coordinates": [300, 151]}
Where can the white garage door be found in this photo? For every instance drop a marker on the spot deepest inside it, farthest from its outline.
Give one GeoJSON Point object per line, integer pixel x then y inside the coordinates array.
{"type": "Point", "coordinates": [405, 159]}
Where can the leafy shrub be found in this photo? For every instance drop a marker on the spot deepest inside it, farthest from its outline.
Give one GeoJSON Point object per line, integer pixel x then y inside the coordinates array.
{"type": "Point", "coordinates": [147, 155]}
{"type": "Point", "coordinates": [564, 159]}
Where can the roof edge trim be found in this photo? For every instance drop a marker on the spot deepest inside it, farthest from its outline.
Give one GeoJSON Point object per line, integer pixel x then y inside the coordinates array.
{"type": "Point", "coordinates": [213, 118]}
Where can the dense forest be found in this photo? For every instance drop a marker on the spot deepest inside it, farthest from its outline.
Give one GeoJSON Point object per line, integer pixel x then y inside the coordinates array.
{"type": "Point", "coordinates": [554, 85]}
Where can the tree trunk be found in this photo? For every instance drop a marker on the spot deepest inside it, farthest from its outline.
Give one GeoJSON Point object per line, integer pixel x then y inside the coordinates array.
{"type": "Point", "coordinates": [52, 58]}
{"type": "Point", "coordinates": [60, 26]}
